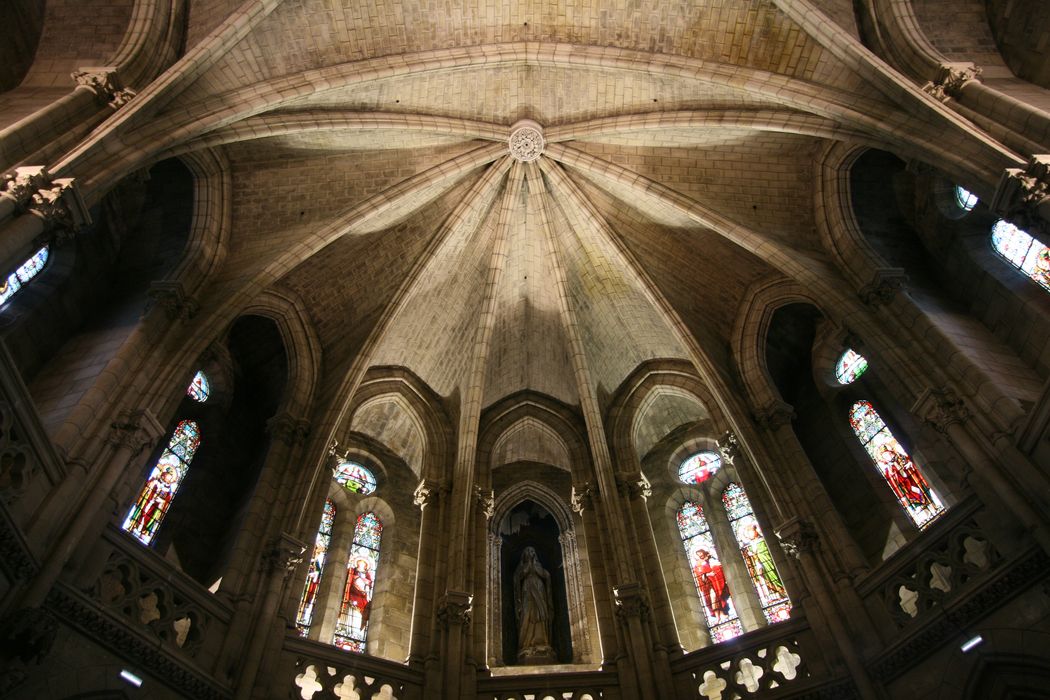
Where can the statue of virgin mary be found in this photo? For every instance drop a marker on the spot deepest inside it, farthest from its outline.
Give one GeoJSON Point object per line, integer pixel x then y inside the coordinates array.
{"type": "Point", "coordinates": [534, 608]}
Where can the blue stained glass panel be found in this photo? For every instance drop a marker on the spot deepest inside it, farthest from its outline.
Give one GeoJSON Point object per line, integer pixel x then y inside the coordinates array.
{"type": "Point", "coordinates": [25, 272]}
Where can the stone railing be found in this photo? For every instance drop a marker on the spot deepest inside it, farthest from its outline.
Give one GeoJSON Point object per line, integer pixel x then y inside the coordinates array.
{"type": "Point", "coordinates": [586, 685]}
{"type": "Point", "coordinates": [322, 672]}
{"type": "Point", "coordinates": [142, 588]}
{"type": "Point", "coordinates": [781, 658]}
{"type": "Point", "coordinates": [953, 554]}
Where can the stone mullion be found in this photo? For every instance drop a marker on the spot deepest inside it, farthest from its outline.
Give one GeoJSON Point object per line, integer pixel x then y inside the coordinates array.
{"type": "Point", "coordinates": [427, 496]}
{"type": "Point", "coordinates": [745, 598]}
{"type": "Point", "coordinates": [333, 580]}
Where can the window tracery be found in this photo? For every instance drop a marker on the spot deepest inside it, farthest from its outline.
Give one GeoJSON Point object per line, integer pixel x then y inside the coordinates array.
{"type": "Point", "coordinates": [895, 464]}
{"type": "Point", "coordinates": [1023, 252]}
{"type": "Point", "coordinates": [351, 628]}
{"type": "Point", "coordinates": [723, 623]}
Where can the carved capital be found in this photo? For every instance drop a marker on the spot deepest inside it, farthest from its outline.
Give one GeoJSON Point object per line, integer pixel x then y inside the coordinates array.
{"type": "Point", "coordinates": [634, 486]}
{"type": "Point", "coordinates": [59, 205]}
{"type": "Point", "coordinates": [940, 408]}
{"type": "Point", "coordinates": [425, 493]}
{"type": "Point", "coordinates": [20, 185]}
{"type": "Point", "coordinates": [774, 414]}
{"type": "Point", "coordinates": [884, 285]}
{"type": "Point", "coordinates": [283, 554]}
{"type": "Point", "coordinates": [135, 430]}
{"type": "Point", "coordinates": [728, 446]}
{"type": "Point", "coordinates": [455, 608]}
{"type": "Point", "coordinates": [105, 84]}
{"type": "Point", "coordinates": [1023, 196]}
{"type": "Point", "coordinates": [951, 78]}
{"type": "Point", "coordinates": [798, 537]}
{"type": "Point", "coordinates": [582, 497]}
{"type": "Point", "coordinates": [288, 429]}
{"type": "Point", "coordinates": [631, 601]}
{"type": "Point", "coordinates": [486, 501]}
{"type": "Point", "coordinates": [171, 296]}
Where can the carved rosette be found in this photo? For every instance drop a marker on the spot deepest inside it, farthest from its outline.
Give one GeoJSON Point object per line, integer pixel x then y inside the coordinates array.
{"type": "Point", "coordinates": [582, 497]}
{"type": "Point", "coordinates": [455, 608]}
{"type": "Point", "coordinates": [20, 186]}
{"type": "Point", "coordinates": [526, 141]}
{"type": "Point", "coordinates": [941, 408]}
{"type": "Point", "coordinates": [105, 84]}
{"type": "Point", "coordinates": [288, 429]}
{"type": "Point", "coordinates": [728, 446]}
{"type": "Point", "coordinates": [951, 78]}
{"type": "Point", "coordinates": [631, 601]}
{"type": "Point", "coordinates": [798, 537]}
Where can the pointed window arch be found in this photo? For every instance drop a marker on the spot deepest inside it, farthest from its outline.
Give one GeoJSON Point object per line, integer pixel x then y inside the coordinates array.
{"type": "Point", "coordinates": [304, 617]}
{"type": "Point", "coordinates": [895, 464]}
{"type": "Point", "coordinates": [700, 467]}
{"type": "Point", "coordinates": [351, 629]}
{"type": "Point", "coordinates": [24, 274]}
{"type": "Point", "coordinates": [1023, 252]}
{"type": "Point", "coordinates": [776, 606]}
{"type": "Point", "coordinates": [723, 622]}
{"type": "Point", "coordinates": [163, 482]}
{"type": "Point", "coordinates": [850, 366]}
{"type": "Point", "coordinates": [966, 199]}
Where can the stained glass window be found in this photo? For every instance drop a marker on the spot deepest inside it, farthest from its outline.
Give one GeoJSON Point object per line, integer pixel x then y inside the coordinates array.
{"type": "Point", "coordinates": [700, 467]}
{"type": "Point", "coordinates": [850, 366]}
{"type": "Point", "coordinates": [155, 498]}
{"type": "Point", "coordinates": [25, 272]}
{"type": "Point", "coordinates": [200, 388]}
{"type": "Point", "coordinates": [355, 478]}
{"type": "Point", "coordinates": [965, 199]}
{"type": "Point", "coordinates": [722, 620]}
{"type": "Point", "coordinates": [900, 472]}
{"type": "Point", "coordinates": [1022, 251]}
{"type": "Point", "coordinates": [753, 547]}
{"type": "Point", "coordinates": [305, 616]}
{"type": "Point", "coordinates": [351, 628]}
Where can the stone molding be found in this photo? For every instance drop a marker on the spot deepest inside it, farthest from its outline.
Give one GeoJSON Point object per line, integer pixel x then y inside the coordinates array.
{"type": "Point", "coordinates": [104, 82]}
{"type": "Point", "coordinates": [951, 78]}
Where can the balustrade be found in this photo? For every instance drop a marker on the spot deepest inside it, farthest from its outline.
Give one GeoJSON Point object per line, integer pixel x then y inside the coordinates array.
{"type": "Point", "coordinates": [322, 672]}
{"type": "Point", "coordinates": [588, 685]}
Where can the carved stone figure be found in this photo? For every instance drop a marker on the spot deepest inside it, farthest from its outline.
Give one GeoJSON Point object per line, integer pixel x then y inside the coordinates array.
{"type": "Point", "coordinates": [534, 608]}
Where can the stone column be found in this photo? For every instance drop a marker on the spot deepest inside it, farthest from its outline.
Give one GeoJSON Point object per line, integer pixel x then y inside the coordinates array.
{"type": "Point", "coordinates": [745, 598]}
{"type": "Point", "coordinates": [485, 508]}
{"type": "Point", "coordinates": [76, 111]}
{"type": "Point", "coordinates": [634, 615]}
{"type": "Point", "coordinates": [52, 213]}
{"type": "Point", "coordinates": [579, 632]}
{"type": "Point", "coordinates": [1015, 482]}
{"type": "Point", "coordinates": [800, 539]}
{"type": "Point", "coordinates": [454, 615]}
{"type": "Point", "coordinates": [582, 500]}
{"type": "Point", "coordinates": [495, 611]}
{"type": "Point", "coordinates": [133, 432]}
{"type": "Point", "coordinates": [428, 496]}
{"type": "Point", "coordinates": [286, 433]}
{"type": "Point", "coordinates": [283, 555]}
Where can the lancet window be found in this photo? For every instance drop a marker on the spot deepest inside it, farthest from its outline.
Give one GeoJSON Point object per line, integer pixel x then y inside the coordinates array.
{"type": "Point", "coordinates": [304, 617]}
{"type": "Point", "coordinates": [1023, 252]}
{"type": "Point", "coordinates": [895, 464]}
{"type": "Point", "coordinates": [723, 623]}
{"type": "Point", "coordinates": [776, 607]}
{"type": "Point", "coordinates": [351, 628]}
{"type": "Point", "coordinates": [24, 274]}
{"type": "Point", "coordinates": [153, 501]}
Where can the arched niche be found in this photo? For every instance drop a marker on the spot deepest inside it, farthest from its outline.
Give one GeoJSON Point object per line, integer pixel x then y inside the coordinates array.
{"type": "Point", "coordinates": [530, 514]}
{"type": "Point", "coordinates": [390, 420]}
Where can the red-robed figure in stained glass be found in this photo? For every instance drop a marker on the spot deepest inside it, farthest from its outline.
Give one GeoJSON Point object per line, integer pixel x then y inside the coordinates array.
{"type": "Point", "coordinates": [903, 477]}
{"type": "Point", "coordinates": [359, 590]}
{"type": "Point", "coordinates": [711, 581]}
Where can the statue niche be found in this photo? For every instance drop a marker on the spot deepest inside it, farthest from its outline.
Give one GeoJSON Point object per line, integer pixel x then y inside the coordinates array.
{"type": "Point", "coordinates": [535, 607]}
